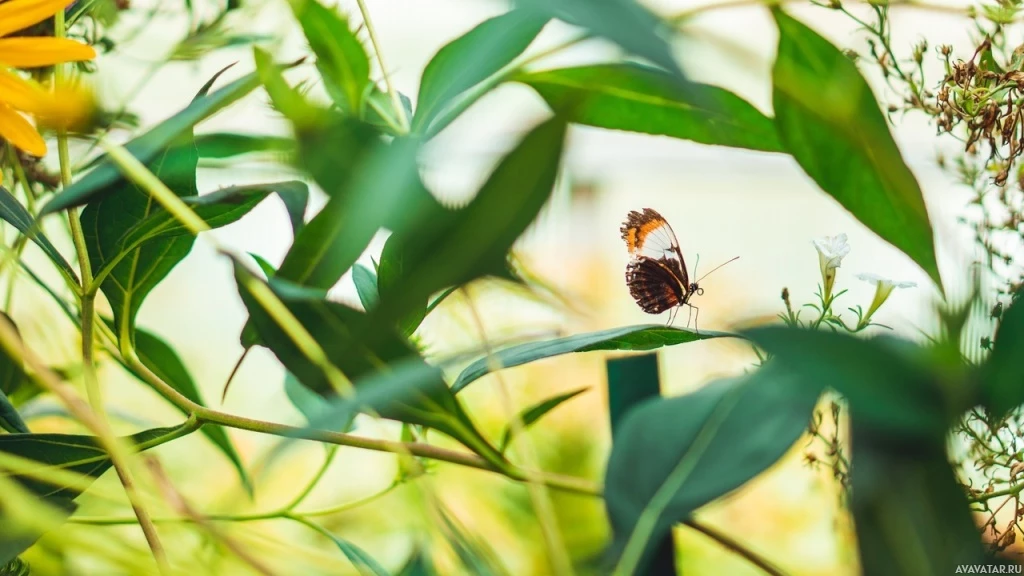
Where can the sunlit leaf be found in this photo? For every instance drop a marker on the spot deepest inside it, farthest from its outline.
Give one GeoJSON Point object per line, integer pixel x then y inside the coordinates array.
{"type": "Point", "coordinates": [472, 57]}
{"type": "Point", "coordinates": [155, 142]}
{"type": "Point", "coordinates": [640, 337]}
{"type": "Point", "coordinates": [649, 100]}
{"type": "Point", "coordinates": [340, 56]}
{"type": "Point", "coordinates": [671, 456]}
{"type": "Point", "coordinates": [828, 119]}
{"type": "Point", "coordinates": [12, 212]}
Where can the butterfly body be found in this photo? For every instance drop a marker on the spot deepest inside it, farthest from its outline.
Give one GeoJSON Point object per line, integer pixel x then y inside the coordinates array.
{"type": "Point", "coordinates": [656, 275]}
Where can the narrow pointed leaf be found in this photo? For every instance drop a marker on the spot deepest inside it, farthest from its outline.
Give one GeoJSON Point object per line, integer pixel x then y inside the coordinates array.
{"type": "Point", "coordinates": [532, 414]}
{"type": "Point", "coordinates": [340, 56]}
{"type": "Point", "coordinates": [1002, 375]}
{"type": "Point", "coordinates": [12, 212]}
{"type": "Point", "coordinates": [648, 100]}
{"type": "Point", "coordinates": [472, 57]}
{"type": "Point", "coordinates": [829, 120]}
{"type": "Point", "coordinates": [366, 286]}
{"type": "Point", "coordinates": [641, 337]}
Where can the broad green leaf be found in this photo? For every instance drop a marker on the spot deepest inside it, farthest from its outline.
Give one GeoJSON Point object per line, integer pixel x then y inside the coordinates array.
{"type": "Point", "coordinates": [220, 208]}
{"type": "Point", "coordinates": [632, 380]}
{"type": "Point", "coordinates": [669, 455]}
{"type": "Point", "coordinates": [366, 286]}
{"type": "Point", "coordinates": [911, 514]}
{"type": "Point", "coordinates": [828, 119]}
{"type": "Point", "coordinates": [625, 22]}
{"type": "Point", "coordinates": [224, 145]}
{"type": "Point", "coordinates": [163, 361]}
{"type": "Point", "coordinates": [649, 100]}
{"type": "Point", "coordinates": [891, 390]}
{"type": "Point", "coordinates": [1002, 375]}
{"type": "Point", "coordinates": [359, 349]}
{"type": "Point", "coordinates": [80, 454]}
{"type": "Point", "coordinates": [340, 56]}
{"type": "Point", "coordinates": [534, 413]}
{"type": "Point", "coordinates": [471, 58]}
{"type": "Point", "coordinates": [148, 147]}
{"type": "Point", "coordinates": [634, 338]}
{"type": "Point", "coordinates": [12, 372]}
{"type": "Point", "coordinates": [455, 247]}
{"type": "Point", "coordinates": [15, 214]}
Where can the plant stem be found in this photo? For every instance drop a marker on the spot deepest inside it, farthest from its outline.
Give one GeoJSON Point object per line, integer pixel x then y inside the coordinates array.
{"type": "Point", "coordinates": [396, 98]}
{"type": "Point", "coordinates": [735, 547]}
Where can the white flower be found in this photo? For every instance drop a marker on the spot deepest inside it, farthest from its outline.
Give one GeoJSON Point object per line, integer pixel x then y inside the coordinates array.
{"type": "Point", "coordinates": [831, 251]}
{"type": "Point", "coordinates": [883, 288]}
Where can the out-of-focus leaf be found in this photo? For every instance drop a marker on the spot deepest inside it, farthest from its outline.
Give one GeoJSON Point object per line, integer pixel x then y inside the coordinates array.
{"type": "Point", "coordinates": [456, 247]}
{"type": "Point", "coordinates": [12, 372]}
{"type": "Point", "coordinates": [475, 554]}
{"type": "Point", "coordinates": [366, 286]}
{"type": "Point", "coordinates": [163, 361]}
{"type": "Point", "coordinates": [635, 338]}
{"type": "Point", "coordinates": [224, 145]}
{"type": "Point", "coordinates": [80, 454]}
{"type": "Point", "coordinates": [311, 405]}
{"type": "Point", "coordinates": [361, 561]}
{"type": "Point", "coordinates": [10, 420]}
{"type": "Point", "coordinates": [15, 214]}
{"type": "Point", "coordinates": [917, 492]}
{"type": "Point", "coordinates": [147, 147]}
{"type": "Point", "coordinates": [285, 99]}
{"type": "Point", "coordinates": [1002, 376]}
{"type": "Point", "coordinates": [892, 391]}
{"type": "Point", "coordinates": [828, 119]}
{"type": "Point", "coordinates": [390, 271]}
{"type": "Point", "coordinates": [649, 100]}
{"type": "Point", "coordinates": [472, 57]}
{"type": "Point", "coordinates": [675, 446]}
{"type": "Point", "coordinates": [534, 413]}
{"type": "Point", "coordinates": [418, 564]}
{"type": "Point", "coordinates": [378, 111]}
{"type": "Point", "coordinates": [625, 22]}
{"type": "Point", "coordinates": [632, 380]}
{"type": "Point", "coordinates": [121, 205]}
{"type": "Point", "coordinates": [359, 349]}
{"type": "Point", "coordinates": [340, 56]}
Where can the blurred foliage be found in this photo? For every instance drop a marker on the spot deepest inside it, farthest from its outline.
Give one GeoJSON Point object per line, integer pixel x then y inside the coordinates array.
{"type": "Point", "coordinates": [909, 422]}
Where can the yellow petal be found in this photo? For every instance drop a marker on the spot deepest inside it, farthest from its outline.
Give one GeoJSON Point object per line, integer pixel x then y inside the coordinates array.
{"type": "Point", "coordinates": [34, 52]}
{"type": "Point", "coordinates": [18, 14]}
{"type": "Point", "coordinates": [21, 94]}
{"type": "Point", "coordinates": [16, 130]}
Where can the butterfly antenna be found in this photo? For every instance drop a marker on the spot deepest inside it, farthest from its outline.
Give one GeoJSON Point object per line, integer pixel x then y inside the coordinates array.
{"type": "Point", "coordinates": [712, 270]}
{"type": "Point", "coordinates": [696, 264]}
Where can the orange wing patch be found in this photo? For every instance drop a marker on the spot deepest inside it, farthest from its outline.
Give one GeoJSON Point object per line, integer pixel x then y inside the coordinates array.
{"type": "Point", "coordinates": [638, 226]}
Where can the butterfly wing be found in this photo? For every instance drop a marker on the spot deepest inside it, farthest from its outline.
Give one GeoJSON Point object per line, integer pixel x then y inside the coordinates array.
{"type": "Point", "coordinates": [653, 285]}
{"type": "Point", "coordinates": [648, 235]}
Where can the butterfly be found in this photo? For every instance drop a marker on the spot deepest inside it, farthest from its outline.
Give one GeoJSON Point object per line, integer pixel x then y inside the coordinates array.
{"type": "Point", "coordinates": [656, 274]}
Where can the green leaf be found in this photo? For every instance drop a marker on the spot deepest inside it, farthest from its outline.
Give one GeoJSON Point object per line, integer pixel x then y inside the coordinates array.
{"type": "Point", "coordinates": [390, 273]}
{"type": "Point", "coordinates": [891, 390]}
{"type": "Point", "coordinates": [667, 456]}
{"type": "Point", "coordinates": [129, 273]}
{"type": "Point", "coordinates": [1002, 375]}
{"type": "Point", "coordinates": [220, 208]}
{"type": "Point", "coordinates": [224, 145]}
{"type": "Point", "coordinates": [80, 454]}
{"type": "Point", "coordinates": [828, 119]}
{"type": "Point", "coordinates": [15, 214]}
{"type": "Point", "coordinates": [634, 338]}
{"type": "Point", "coordinates": [625, 22]}
{"type": "Point", "coordinates": [366, 286]}
{"type": "Point", "coordinates": [154, 143]}
{"type": "Point", "coordinates": [631, 380]}
{"type": "Point", "coordinates": [911, 514]}
{"type": "Point", "coordinates": [534, 413]}
{"type": "Point", "coordinates": [12, 372]}
{"type": "Point", "coordinates": [455, 247]}
{"type": "Point", "coordinates": [357, 347]}
{"type": "Point", "coordinates": [378, 111]}
{"type": "Point", "coordinates": [162, 360]}
{"type": "Point", "coordinates": [311, 405]}
{"type": "Point", "coordinates": [361, 561]}
{"type": "Point", "coordinates": [340, 56]}
{"type": "Point", "coordinates": [649, 100]}
{"type": "Point", "coordinates": [471, 58]}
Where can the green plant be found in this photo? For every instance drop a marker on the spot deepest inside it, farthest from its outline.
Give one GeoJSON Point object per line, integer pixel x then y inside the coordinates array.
{"type": "Point", "coordinates": [898, 408]}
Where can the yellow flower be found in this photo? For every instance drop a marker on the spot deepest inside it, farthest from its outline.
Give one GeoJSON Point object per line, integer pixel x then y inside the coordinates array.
{"type": "Point", "coordinates": [19, 95]}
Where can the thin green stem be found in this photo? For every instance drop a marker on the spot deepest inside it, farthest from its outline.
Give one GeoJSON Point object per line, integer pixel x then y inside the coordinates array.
{"type": "Point", "coordinates": [311, 485]}
{"type": "Point", "coordinates": [396, 98]}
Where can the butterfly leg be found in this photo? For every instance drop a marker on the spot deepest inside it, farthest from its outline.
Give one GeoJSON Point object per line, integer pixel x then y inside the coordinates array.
{"type": "Point", "coordinates": [696, 318]}
{"type": "Point", "coordinates": [689, 315]}
{"type": "Point", "coordinates": [671, 316]}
